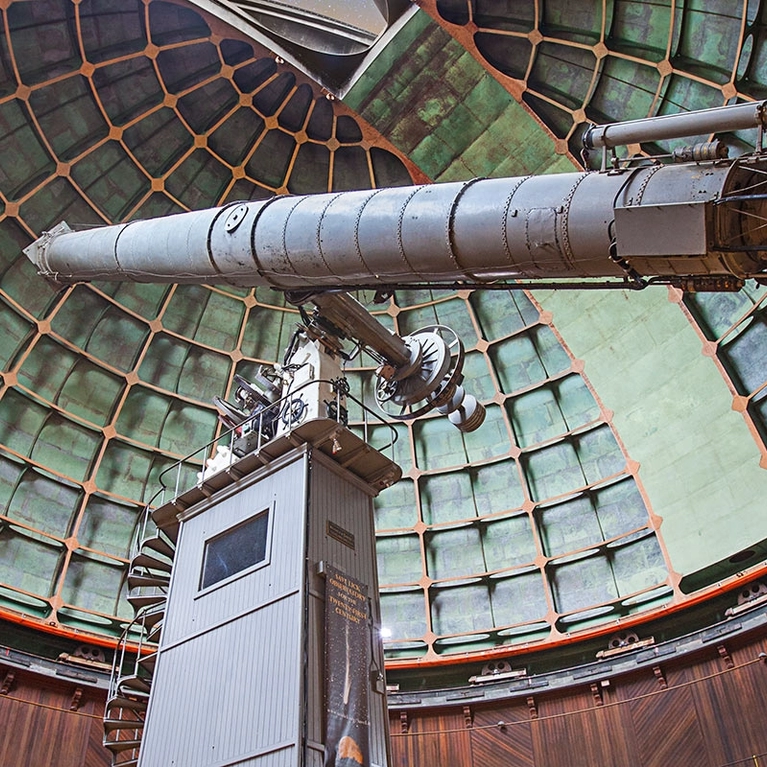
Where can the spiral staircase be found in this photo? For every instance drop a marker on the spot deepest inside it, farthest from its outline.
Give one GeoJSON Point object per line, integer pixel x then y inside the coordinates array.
{"type": "Point", "coordinates": [134, 663]}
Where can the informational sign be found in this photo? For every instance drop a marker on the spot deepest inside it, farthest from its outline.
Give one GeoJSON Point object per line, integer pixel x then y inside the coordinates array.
{"type": "Point", "coordinates": [347, 670]}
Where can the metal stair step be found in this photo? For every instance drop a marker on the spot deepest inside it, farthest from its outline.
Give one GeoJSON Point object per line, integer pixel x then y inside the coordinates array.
{"type": "Point", "coordinates": [153, 635]}
{"type": "Point", "coordinates": [148, 662]}
{"type": "Point", "coordinates": [134, 702]}
{"type": "Point", "coordinates": [138, 579]}
{"type": "Point", "coordinates": [152, 563]}
{"type": "Point", "coordinates": [165, 518]}
{"type": "Point", "coordinates": [140, 601]}
{"type": "Point", "coordinates": [115, 746]}
{"type": "Point", "coordinates": [159, 545]}
{"type": "Point", "coordinates": [134, 683]}
{"type": "Point", "coordinates": [151, 618]}
{"type": "Point", "coordinates": [110, 725]}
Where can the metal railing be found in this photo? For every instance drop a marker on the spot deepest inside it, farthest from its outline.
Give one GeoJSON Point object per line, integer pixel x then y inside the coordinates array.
{"type": "Point", "coordinates": [128, 653]}
{"type": "Point", "coordinates": [195, 462]}
{"type": "Point", "coordinates": [258, 422]}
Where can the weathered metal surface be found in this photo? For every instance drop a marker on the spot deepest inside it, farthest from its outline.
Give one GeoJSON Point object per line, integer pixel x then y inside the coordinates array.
{"type": "Point", "coordinates": [556, 226]}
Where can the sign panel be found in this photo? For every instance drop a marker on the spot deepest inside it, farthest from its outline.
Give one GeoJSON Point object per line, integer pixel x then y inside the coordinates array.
{"type": "Point", "coordinates": [347, 671]}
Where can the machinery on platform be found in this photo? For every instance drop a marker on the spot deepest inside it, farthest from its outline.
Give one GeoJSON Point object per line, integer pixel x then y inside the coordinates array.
{"type": "Point", "coordinates": [415, 374]}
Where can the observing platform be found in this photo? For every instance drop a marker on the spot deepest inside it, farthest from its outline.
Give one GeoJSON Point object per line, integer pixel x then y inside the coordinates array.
{"type": "Point", "coordinates": [336, 441]}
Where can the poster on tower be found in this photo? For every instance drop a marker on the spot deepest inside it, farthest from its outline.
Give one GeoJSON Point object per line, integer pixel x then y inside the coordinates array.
{"type": "Point", "coordinates": [347, 671]}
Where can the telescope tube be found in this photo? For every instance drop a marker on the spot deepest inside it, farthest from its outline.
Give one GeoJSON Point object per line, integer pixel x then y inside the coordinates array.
{"type": "Point", "coordinates": [656, 220]}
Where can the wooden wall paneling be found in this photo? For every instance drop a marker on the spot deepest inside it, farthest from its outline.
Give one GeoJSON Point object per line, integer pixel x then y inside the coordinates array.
{"type": "Point", "coordinates": [731, 707]}
{"type": "Point", "coordinates": [455, 744]}
{"type": "Point", "coordinates": [706, 709]}
{"type": "Point", "coordinates": [666, 728]}
{"type": "Point", "coordinates": [401, 747]}
{"type": "Point", "coordinates": [549, 735]}
{"type": "Point", "coordinates": [97, 755]}
{"type": "Point", "coordinates": [38, 727]}
{"type": "Point", "coordinates": [572, 730]}
{"type": "Point", "coordinates": [606, 741]}
{"type": "Point", "coordinates": [552, 737]}
{"type": "Point", "coordinates": [438, 738]}
{"type": "Point", "coordinates": [748, 696]}
{"type": "Point", "coordinates": [512, 744]}
{"type": "Point", "coordinates": [708, 715]}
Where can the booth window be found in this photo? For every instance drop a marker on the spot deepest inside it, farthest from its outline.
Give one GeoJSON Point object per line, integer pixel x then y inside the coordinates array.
{"type": "Point", "coordinates": [236, 549]}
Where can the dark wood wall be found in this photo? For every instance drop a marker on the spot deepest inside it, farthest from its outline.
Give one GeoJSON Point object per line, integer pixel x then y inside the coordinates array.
{"type": "Point", "coordinates": [45, 722]}
{"type": "Point", "coordinates": [707, 710]}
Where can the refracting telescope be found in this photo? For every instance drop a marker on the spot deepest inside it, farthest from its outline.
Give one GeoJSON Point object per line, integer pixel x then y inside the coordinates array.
{"type": "Point", "coordinates": [695, 220]}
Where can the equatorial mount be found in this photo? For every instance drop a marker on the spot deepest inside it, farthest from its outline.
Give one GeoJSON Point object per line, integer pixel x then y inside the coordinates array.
{"type": "Point", "coordinates": [432, 383]}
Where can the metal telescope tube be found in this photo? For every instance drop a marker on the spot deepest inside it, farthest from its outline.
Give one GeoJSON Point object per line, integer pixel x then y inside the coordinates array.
{"type": "Point", "coordinates": [700, 122]}
{"type": "Point", "coordinates": [536, 227]}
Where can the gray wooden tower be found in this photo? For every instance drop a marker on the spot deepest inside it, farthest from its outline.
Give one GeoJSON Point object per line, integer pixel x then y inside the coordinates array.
{"type": "Point", "coordinates": [270, 649]}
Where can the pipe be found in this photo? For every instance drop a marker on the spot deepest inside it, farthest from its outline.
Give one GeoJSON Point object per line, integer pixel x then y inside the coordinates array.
{"type": "Point", "coordinates": [347, 314]}
{"type": "Point", "coordinates": [697, 123]}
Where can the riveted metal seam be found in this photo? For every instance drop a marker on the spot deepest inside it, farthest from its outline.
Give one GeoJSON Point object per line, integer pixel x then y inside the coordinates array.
{"type": "Point", "coordinates": [400, 221]}
{"type": "Point", "coordinates": [450, 227]}
{"type": "Point", "coordinates": [320, 219]}
{"type": "Point", "coordinates": [504, 227]}
{"type": "Point", "coordinates": [263, 273]}
{"type": "Point", "coordinates": [209, 239]}
{"type": "Point", "coordinates": [567, 249]}
{"type": "Point", "coordinates": [643, 185]}
{"type": "Point", "coordinates": [286, 221]}
{"type": "Point", "coordinates": [357, 248]}
{"type": "Point", "coordinates": [114, 254]}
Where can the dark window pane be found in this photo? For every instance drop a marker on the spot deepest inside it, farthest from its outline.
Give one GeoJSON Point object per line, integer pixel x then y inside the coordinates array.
{"type": "Point", "coordinates": [235, 550]}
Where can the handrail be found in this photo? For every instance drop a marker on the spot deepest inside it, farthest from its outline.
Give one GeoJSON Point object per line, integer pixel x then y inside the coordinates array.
{"type": "Point", "coordinates": [276, 408]}
{"type": "Point", "coordinates": [118, 660]}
